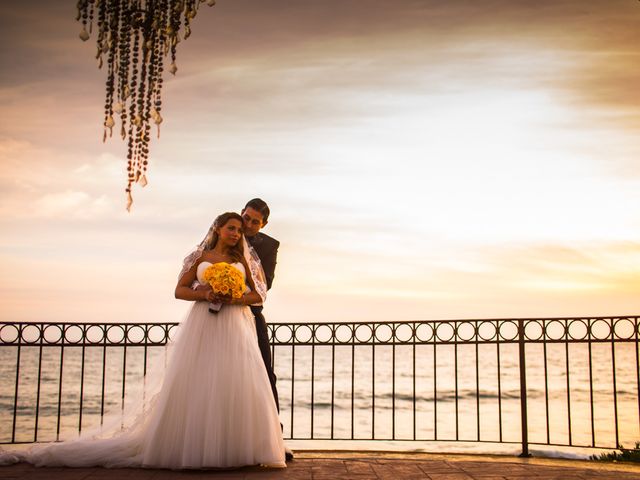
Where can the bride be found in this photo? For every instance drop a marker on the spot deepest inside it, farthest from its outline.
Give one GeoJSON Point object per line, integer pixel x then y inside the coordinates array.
{"type": "Point", "coordinates": [214, 407]}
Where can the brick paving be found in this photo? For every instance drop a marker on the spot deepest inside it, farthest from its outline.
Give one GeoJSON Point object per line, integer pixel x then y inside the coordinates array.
{"type": "Point", "coordinates": [332, 465]}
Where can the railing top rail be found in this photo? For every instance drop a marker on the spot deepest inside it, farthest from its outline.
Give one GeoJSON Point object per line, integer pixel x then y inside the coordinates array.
{"type": "Point", "coordinates": [504, 331]}
{"type": "Point", "coordinates": [356, 322]}
{"type": "Point", "coordinates": [109, 324]}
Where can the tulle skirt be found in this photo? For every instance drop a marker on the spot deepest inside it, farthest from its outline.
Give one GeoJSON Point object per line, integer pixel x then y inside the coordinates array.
{"type": "Point", "coordinates": [214, 408]}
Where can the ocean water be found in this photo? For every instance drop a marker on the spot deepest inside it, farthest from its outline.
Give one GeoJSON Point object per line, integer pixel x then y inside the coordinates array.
{"type": "Point", "coordinates": [337, 397]}
{"type": "Point", "coordinates": [478, 408]}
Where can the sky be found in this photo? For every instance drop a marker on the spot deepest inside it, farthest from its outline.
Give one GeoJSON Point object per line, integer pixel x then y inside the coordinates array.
{"type": "Point", "coordinates": [422, 160]}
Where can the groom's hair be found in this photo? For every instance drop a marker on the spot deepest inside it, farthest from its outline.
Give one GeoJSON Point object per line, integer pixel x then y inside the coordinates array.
{"type": "Point", "coordinates": [259, 205]}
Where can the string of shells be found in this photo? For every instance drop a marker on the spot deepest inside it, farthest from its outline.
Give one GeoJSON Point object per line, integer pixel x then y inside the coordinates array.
{"type": "Point", "coordinates": [134, 37]}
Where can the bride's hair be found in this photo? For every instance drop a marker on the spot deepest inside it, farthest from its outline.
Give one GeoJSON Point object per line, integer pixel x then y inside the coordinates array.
{"type": "Point", "coordinates": [237, 252]}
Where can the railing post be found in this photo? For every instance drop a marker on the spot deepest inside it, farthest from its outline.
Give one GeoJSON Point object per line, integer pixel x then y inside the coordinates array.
{"type": "Point", "coordinates": [523, 391]}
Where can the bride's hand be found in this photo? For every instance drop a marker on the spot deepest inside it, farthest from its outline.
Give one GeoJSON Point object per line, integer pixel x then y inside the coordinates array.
{"type": "Point", "coordinates": [210, 296]}
{"type": "Point", "coordinates": [219, 299]}
{"type": "Point", "coordinates": [207, 292]}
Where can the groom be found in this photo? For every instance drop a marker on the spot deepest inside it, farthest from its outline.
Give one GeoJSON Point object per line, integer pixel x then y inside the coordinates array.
{"type": "Point", "coordinates": [255, 216]}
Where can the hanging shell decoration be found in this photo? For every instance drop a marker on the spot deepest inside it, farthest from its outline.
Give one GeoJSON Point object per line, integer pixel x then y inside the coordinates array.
{"type": "Point", "coordinates": [134, 38]}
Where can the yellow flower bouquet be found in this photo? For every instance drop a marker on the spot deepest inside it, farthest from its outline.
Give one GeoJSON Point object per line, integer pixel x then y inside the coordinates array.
{"type": "Point", "coordinates": [225, 280]}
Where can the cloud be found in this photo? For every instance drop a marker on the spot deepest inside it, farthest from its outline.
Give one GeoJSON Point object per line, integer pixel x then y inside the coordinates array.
{"type": "Point", "coordinates": [39, 36]}
{"type": "Point", "coordinates": [598, 268]}
{"type": "Point", "coordinates": [72, 204]}
{"type": "Point", "coordinates": [315, 69]}
{"type": "Point", "coordinates": [40, 181]}
{"type": "Point", "coordinates": [525, 280]}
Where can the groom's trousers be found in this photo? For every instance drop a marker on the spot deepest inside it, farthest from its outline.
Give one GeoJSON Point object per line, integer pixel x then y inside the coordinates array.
{"type": "Point", "coordinates": [265, 349]}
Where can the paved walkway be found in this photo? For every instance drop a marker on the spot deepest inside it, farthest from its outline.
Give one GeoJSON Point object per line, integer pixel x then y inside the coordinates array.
{"type": "Point", "coordinates": [331, 465]}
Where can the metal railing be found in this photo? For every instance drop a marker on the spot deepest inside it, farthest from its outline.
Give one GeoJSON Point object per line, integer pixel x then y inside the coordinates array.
{"type": "Point", "coordinates": [58, 340]}
{"type": "Point", "coordinates": [569, 382]}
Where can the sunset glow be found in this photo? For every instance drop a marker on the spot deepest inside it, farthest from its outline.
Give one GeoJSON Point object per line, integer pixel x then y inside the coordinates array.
{"type": "Point", "coordinates": [422, 160]}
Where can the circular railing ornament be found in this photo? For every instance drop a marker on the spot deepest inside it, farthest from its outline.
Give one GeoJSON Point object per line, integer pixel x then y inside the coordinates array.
{"type": "Point", "coordinates": [424, 332]}
{"type": "Point", "coordinates": [445, 332]}
{"type": "Point", "coordinates": [487, 331]}
{"type": "Point", "coordinates": [283, 333]}
{"type": "Point", "coordinates": [508, 330]}
{"type": "Point", "coordinates": [578, 329]}
{"type": "Point", "coordinates": [383, 333]}
{"type": "Point", "coordinates": [465, 331]}
{"type": "Point", "coordinates": [344, 333]}
{"type": "Point", "coordinates": [136, 334]}
{"type": "Point", "coordinates": [52, 334]}
{"type": "Point", "coordinates": [95, 334]}
{"type": "Point", "coordinates": [74, 334]}
{"type": "Point", "coordinates": [303, 333]}
{"type": "Point", "coordinates": [364, 333]}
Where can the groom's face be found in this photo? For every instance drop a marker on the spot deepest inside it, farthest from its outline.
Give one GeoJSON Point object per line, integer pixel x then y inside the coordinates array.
{"type": "Point", "coordinates": [252, 221]}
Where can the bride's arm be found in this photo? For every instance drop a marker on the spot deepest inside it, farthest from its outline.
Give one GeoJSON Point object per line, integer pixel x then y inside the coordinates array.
{"type": "Point", "coordinates": [185, 292]}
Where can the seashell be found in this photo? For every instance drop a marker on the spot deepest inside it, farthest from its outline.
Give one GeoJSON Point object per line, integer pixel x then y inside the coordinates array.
{"type": "Point", "coordinates": [129, 201]}
{"type": "Point", "coordinates": [118, 107]}
{"type": "Point", "coordinates": [187, 32]}
{"type": "Point", "coordinates": [100, 62]}
{"type": "Point", "coordinates": [157, 118]}
{"type": "Point", "coordinates": [109, 123]}
{"type": "Point", "coordinates": [137, 121]}
{"type": "Point", "coordinates": [123, 132]}
{"type": "Point", "coordinates": [127, 92]}
{"type": "Point", "coordinates": [84, 35]}
{"type": "Point", "coordinates": [174, 68]}
{"type": "Point", "coordinates": [143, 180]}
{"type": "Point", "coordinates": [149, 44]}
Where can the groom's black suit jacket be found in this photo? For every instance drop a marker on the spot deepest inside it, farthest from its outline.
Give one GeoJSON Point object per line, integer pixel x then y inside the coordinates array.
{"type": "Point", "coordinates": [267, 249]}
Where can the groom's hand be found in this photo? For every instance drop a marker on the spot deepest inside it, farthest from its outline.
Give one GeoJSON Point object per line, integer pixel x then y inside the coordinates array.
{"type": "Point", "coordinates": [222, 299]}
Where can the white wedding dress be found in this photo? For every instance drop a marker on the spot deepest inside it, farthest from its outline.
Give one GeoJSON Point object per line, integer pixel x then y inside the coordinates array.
{"type": "Point", "coordinates": [215, 407]}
